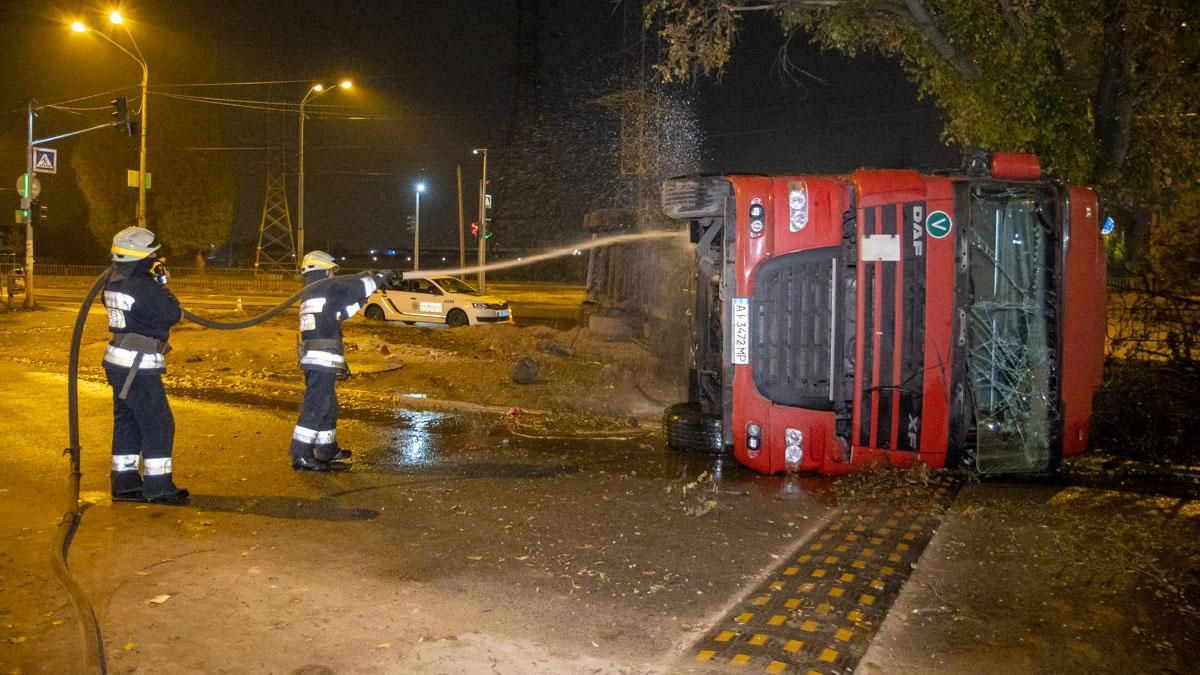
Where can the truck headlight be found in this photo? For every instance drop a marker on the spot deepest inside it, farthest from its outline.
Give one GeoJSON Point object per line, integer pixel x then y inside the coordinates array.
{"type": "Point", "coordinates": [793, 451]}
{"type": "Point", "coordinates": [753, 439]}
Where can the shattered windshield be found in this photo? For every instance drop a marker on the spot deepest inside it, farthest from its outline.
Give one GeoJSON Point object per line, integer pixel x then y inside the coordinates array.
{"type": "Point", "coordinates": [1010, 362]}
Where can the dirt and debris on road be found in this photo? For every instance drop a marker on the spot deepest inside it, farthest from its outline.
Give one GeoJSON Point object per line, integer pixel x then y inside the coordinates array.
{"type": "Point", "coordinates": [592, 381]}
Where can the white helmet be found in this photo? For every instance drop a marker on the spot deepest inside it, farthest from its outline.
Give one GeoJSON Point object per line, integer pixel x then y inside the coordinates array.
{"type": "Point", "coordinates": [133, 243]}
{"type": "Point", "coordinates": [317, 260]}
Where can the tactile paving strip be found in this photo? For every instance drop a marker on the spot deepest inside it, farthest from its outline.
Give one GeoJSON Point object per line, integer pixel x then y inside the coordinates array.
{"type": "Point", "coordinates": [817, 613]}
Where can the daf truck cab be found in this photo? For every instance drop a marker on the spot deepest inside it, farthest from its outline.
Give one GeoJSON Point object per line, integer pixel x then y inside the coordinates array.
{"type": "Point", "coordinates": [888, 316]}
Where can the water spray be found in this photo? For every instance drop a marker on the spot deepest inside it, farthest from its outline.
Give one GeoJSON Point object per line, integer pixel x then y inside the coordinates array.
{"type": "Point", "coordinates": [548, 255]}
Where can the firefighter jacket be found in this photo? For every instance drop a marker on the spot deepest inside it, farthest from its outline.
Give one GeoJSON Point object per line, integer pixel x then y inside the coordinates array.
{"type": "Point", "coordinates": [322, 312]}
{"type": "Point", "coordinates": [141, 312]}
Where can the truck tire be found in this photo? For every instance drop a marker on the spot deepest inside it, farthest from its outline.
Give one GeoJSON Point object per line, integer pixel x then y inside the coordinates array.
{"type": "Point", "coordinates": [690, 429]}
{"type": "Point", "coordinates": [373, 313]}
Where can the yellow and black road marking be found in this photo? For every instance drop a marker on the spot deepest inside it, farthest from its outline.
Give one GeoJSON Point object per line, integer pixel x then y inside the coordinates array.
{"type": "Point", "coordinates": [819, 610]}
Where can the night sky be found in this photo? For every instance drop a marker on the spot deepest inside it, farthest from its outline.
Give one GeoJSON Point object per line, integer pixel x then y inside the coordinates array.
{"type": "Point", "coordinates": [432, 80]}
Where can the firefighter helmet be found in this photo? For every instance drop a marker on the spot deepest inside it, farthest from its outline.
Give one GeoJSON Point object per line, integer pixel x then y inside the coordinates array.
{"type": "Point", "coordinates": [133, 243]}
{"type": "Point", "coordinates": [317, 260]}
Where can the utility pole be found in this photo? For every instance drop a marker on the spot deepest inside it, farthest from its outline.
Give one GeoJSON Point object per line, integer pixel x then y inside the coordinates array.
{"type": "Point", "coordinates": [483, 222]}
{"type": "Point", "coordinates": [462, 243]}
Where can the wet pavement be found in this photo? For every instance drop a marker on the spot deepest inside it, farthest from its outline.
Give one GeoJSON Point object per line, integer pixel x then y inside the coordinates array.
{"type": "Point", "coordinates": [487, 542]}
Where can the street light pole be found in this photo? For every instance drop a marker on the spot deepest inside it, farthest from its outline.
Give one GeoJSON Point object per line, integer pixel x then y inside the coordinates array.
{"type": "Point", "coordinates": [300, 176]}
{"type": "Point", "coordinates": [141, 209]}
{"type": "Point", "coordinates": [116, 18]}
{"type": "Point", "coordinates": [313, 92]}
{"type": "Point", "coordinates": [417, 230]}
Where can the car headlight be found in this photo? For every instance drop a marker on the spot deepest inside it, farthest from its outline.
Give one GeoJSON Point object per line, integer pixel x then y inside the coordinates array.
{"type": "Point", "coordinates": [479, 305]}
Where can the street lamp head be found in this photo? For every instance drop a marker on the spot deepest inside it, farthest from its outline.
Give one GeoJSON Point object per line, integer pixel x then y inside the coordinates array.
{"type": "Point", "coordinates": [115, 17]}
{"type": "Point", "coordinates": [420, 187]}
{"type": "Point", "coordinates": [345, 84]}
{"type": "Point", "coordinates": [79, 27]}
{"type": "Point", "coordinates": [318, 88]}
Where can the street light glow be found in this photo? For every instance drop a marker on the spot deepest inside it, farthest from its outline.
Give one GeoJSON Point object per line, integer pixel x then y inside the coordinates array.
{"type": "Point", "coordinates": [420, 187]}
{"type": "Point", "coordinates": [78, 27]}
{"type": "Point", "coordinates": [115, 17]}
{"type": "Point", "coordinates": [345, 84]}
{"type": "Point", "coordinates": [318, 88]}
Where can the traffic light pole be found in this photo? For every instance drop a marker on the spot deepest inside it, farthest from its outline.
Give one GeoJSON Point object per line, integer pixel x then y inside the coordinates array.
{"type": "Point", "coordinates": [483, 225]}
{"type": "Point", "coordinates": [27, 207]}
{"type": "Point", "coordinates": [27, 199]}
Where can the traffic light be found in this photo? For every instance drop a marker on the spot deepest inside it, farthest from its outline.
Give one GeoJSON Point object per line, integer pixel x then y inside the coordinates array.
{"type": "Point", "coordinates": [41, 213]}
{"type": "Point", "coordinates": [474, 229]}
{"type": "Point", "coordinates": [120, 115]}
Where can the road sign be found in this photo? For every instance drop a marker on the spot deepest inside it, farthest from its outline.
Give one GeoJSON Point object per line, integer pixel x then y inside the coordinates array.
{"type": "Point", "coordinates": [938, 224]}
{"type": "Point", "coordinates": [45, 160]}
{"type": "Point", "coordinates": [487, 201]}
{"type": "Point", "coordinates": [131, 178]}
{"type": "Point", "coordinates": [35, 186]}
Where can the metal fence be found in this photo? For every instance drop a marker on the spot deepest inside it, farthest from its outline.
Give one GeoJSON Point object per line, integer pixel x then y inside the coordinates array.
{"type": "Point", "coordinates": [222, 280]}
{"type": "Point", "coordinates": [1147, 323]}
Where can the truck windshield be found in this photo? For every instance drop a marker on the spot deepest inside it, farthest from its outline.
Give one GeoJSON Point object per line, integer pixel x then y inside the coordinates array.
{"type": "Point", "coordinates": [1010, 347]}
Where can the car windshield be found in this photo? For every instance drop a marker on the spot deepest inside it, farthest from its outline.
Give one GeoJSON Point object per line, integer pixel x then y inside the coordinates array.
{"type": "Point", "coordinates": [1011, 356]}
{"type": "Point", "coordinates": [452, 285]}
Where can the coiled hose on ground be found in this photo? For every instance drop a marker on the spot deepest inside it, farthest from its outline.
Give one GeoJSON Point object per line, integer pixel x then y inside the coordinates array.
{"type": "Point", "coordinates": [89, 628]}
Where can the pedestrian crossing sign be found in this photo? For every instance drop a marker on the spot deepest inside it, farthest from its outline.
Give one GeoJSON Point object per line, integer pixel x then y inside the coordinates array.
{"type": "Point", "coordinates": [45, 160]}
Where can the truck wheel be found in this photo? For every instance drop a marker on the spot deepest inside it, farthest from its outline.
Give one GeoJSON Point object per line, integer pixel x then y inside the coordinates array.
{"type": "Point", "coordinates": [456, 318]}
{"type": "Point", "coordinates": [373, 313]}
{"type": "Point", "coordinates": [691, 429]}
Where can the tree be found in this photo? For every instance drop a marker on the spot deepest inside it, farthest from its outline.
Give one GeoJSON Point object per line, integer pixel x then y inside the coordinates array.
{"type": "Point", "coordinates": [1102, 90]}
{"type": "Point", "coordinates": [100, 161]}
{"type": "Point", "coordinates": [190, 205]}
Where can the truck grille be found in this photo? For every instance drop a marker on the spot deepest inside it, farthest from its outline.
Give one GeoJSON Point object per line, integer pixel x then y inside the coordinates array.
{"type": "Point", "coordinates": [790, 318]}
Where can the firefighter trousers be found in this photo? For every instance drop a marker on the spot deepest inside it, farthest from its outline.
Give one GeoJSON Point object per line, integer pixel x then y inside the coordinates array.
{"type": "Point", "coordinates": [143, 433]}
{"type": "Point", "coordinates": [315, 434]}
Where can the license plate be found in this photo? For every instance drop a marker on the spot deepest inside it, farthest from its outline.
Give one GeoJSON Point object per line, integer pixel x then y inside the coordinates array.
{"type": "Point", "coordinates": [740, 348]}
{"type": "Point", "coordinates": [503, 314]}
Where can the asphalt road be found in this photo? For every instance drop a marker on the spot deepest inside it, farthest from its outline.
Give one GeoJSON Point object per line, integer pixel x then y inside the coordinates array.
{"type": "Point", "coordinates": [454, 544]}
{"type": "Point", "coordinates": [533, 303]}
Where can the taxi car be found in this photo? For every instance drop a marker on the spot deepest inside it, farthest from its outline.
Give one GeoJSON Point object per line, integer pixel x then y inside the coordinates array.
{"type": "Point", "coordinates": [447, 300]}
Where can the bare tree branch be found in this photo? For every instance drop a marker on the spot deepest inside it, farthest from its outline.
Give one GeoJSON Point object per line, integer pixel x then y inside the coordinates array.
{"type": "Point", "coordinates": [789, 68]}
{"type": "Point", "coordinates": [938, 41]}
{"type": "Point", "coordinates": [1014, 24]}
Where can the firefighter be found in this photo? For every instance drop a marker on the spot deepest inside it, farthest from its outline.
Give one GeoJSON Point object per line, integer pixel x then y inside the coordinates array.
{"type": "Point", "coordinates": [322, 310]}
{"type": "Point", "coordinates": [141, 312]}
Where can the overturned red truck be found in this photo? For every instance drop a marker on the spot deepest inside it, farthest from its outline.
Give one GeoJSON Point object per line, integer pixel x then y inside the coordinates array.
{"type": "Point", "coordinates": [891, 316]}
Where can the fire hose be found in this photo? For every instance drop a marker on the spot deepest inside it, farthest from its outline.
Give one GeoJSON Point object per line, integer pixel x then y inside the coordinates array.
{"type": "Point", "coordinates": [89, 627]}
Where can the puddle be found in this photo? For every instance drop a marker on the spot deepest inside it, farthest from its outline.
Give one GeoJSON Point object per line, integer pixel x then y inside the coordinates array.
{"type": "Point", "coordinates": [482, 446]}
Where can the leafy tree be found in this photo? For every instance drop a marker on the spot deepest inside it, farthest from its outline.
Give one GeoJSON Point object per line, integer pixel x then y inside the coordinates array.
{"type": "Point", "coordinates": [190, 203]}
{"type": "Point", "coordinates": [1103, 91]}
{"type": "Point", "coordinates": [100, 161]}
